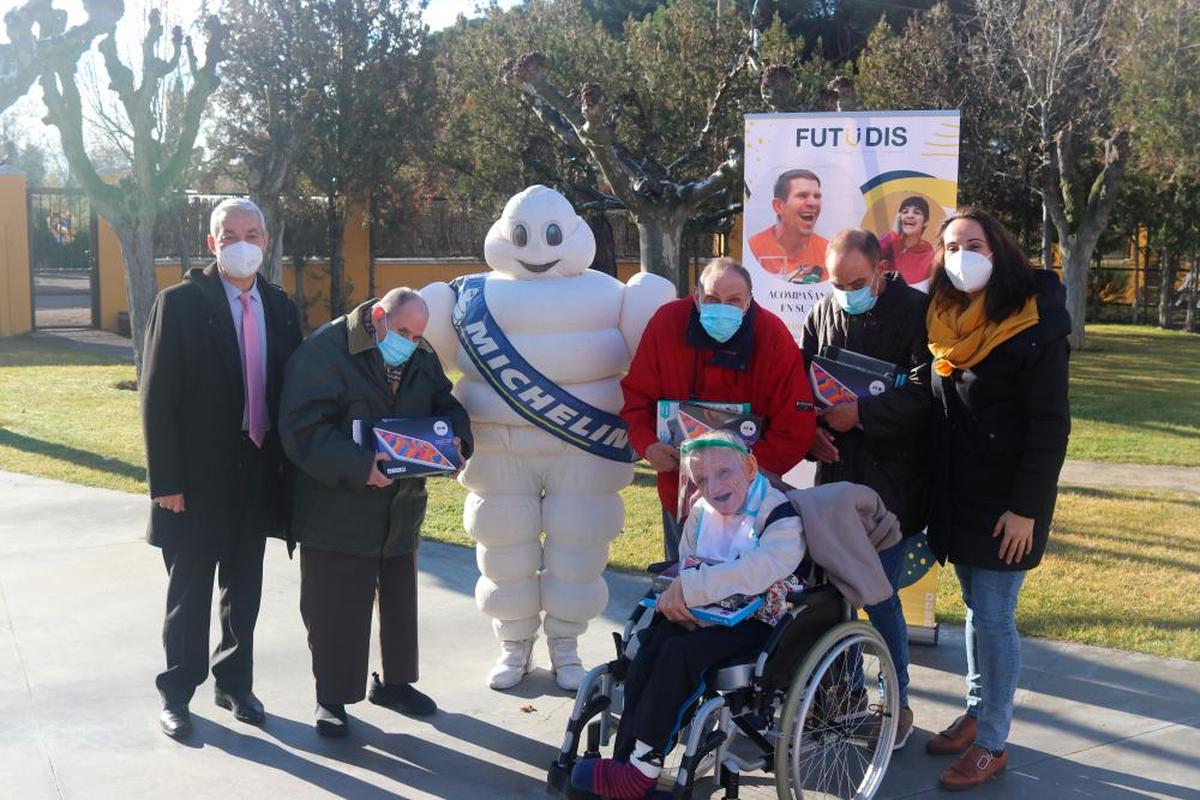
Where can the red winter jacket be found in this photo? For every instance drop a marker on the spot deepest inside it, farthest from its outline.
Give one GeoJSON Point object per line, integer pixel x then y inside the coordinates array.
{"type": "Point", "coordinates": [678, 360]}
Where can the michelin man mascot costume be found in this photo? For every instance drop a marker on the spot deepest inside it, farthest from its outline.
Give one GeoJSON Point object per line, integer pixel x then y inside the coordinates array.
{"type": "Point", "coordinates": [542, 342]}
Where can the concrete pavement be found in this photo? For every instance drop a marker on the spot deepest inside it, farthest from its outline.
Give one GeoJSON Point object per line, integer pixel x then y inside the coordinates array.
{"type": "Point", "coordinates": [81, 600]}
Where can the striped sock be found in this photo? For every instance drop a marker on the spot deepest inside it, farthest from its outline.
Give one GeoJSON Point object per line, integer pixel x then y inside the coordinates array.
{"type": "Point", "coordinates": [618, 780]}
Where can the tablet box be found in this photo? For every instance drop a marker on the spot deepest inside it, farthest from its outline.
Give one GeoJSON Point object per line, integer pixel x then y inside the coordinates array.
{"type": "Point", "coordinates": [415, 446]}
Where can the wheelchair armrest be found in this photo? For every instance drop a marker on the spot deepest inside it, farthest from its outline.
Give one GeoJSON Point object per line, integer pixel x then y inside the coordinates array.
{"type": "Point", "coordinates": [658, 567]}
{"type": "Point", "coordinates": [798, 599]}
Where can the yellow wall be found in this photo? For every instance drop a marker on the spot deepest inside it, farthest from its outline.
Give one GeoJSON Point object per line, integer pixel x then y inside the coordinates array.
{"type": "Point", "coordinates": [16, 313]}
{"type": "Point", "coordinates": [113, 296]}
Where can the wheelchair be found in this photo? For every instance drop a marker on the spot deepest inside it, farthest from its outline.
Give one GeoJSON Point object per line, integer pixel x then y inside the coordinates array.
{"type": "Point", "coordinates": [817, 706]}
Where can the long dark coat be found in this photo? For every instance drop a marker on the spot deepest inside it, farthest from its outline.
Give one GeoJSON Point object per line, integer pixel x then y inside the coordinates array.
{"type": "Point", "coordinates": [999, 436]}
{"type": "Point", "coordinates": [890, 452]}
{"type": "Point", "coordinates": [336, 377]}
{"type": "Point", "coordinates": [193, 402]}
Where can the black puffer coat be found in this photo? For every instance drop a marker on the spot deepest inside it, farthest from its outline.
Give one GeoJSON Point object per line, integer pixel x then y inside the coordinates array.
{"type": "Point", "coordinates": [889, 453]}
{"type": "Point", "coordinates": [999, 437]}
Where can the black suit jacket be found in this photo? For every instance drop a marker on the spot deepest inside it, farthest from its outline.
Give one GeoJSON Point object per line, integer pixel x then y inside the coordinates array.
{"type": "Point", "coordinates": [192, 407]}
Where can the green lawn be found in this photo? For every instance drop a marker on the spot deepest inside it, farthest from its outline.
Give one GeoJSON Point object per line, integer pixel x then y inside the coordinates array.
{"type": "Point", "coordinates": [1122, 569]}
{"type": "Point", "coordinates": [1135, 396]}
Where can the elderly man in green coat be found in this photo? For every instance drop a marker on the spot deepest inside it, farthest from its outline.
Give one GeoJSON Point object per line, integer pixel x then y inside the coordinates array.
{"type": "Point", "coordinates": [358, 530]}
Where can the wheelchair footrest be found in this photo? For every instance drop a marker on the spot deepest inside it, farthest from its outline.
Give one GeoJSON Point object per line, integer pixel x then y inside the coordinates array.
{"type": "Point", "coordinates": [558, 782]}
{"type": "Point", "coordinates": [558, 778]}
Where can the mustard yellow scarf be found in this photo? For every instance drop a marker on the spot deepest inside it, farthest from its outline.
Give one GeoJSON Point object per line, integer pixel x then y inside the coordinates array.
{"type": "Point", "coordinates": [960, 338]}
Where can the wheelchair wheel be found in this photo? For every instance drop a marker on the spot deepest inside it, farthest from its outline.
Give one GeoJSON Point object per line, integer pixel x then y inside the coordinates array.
{"type": "Point", "coordinates": [838, 724]}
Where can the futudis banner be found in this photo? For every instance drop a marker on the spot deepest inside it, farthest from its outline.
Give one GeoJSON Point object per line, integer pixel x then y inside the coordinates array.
{"type": "Point", "coordinates": [894, 173]}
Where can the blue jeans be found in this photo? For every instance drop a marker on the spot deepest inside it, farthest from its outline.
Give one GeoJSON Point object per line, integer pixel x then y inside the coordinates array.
{"type": "Point", "coordinates": [993, 649]}
{"type": "Point", "coordinates": [888, 619]}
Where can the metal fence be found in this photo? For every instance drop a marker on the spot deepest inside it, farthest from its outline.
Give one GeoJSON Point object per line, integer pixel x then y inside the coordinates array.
{"type": "Point", "coordinates": [1125, 284]}
{"type": "Point", "coordinates": [181, 230]}
{"type": "Point", "coordinates": [60, 229]}
{"type": "Point", "coordinates": [436, 230]}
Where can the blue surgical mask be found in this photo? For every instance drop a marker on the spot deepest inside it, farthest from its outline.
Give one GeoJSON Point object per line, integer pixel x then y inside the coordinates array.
{"type": "Point", "coordinates": [859, 301]}
{"type": "Point", "coordinates": [720, 320]}
{"type": "Point", "coordinates": [395, 349]}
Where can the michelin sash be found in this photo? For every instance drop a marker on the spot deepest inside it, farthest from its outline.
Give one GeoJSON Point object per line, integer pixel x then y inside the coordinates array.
{"type": "Point", "coordinates": [528, 392]}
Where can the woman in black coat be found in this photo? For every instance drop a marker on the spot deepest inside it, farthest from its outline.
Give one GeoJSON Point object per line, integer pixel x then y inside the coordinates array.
{"type": "Point", "coordinates": [998, 333]}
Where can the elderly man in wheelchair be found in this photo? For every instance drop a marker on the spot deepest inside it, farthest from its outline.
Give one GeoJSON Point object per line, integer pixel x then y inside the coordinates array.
{"type": "Point", "coordinates": [751, 660]}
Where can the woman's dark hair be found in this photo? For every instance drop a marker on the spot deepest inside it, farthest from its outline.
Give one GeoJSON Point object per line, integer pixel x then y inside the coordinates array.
{"type": "Point", "coordinates": [1013, 279]}
{"type": "Point", "coordinates": [919, 203]}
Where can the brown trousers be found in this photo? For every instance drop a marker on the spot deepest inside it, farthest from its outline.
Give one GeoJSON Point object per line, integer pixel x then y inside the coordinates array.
{"type": "Point", "coordinates": [336, 593]}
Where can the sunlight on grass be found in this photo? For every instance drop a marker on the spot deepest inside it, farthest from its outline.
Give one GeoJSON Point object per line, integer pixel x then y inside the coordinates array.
{"type": "Point", "coordinates": [1135, 396]}
{"type": "Point", "coordinates": [1122, 569]}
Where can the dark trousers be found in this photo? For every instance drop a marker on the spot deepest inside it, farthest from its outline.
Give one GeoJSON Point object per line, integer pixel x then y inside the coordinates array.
{"type": "Point", "coordinates": [336, 593]}
{"type": "Point", "coordinates": [189, 603]}
{"type": "Point", "coordinates": [672, 530]}
{"type": "Point", "coordinates": [667, 676]}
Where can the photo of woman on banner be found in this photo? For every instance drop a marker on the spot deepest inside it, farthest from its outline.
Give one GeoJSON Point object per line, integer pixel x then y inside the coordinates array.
{"type": "Point", "coordinates": [905, 247]}
{"type": "Point", "coordinates": [790, 248]}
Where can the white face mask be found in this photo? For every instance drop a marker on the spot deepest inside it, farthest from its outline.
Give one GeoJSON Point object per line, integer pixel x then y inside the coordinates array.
{"type": "Point", "coordinates": [240, 259]}
{"type": "Point", "coordinates": [968, 270]}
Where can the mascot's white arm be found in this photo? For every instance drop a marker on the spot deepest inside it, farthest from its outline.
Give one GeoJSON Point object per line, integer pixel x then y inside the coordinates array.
{"type": "Point", "coordinates": [644, 294]}
{"type": "Point", "coordinates": [440, 331]}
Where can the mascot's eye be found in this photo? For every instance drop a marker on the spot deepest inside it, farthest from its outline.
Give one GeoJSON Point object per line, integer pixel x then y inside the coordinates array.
{"type": "Point", "coordinates": [520, 236]}
{"type": "Point", "coordinates": [553, 235]}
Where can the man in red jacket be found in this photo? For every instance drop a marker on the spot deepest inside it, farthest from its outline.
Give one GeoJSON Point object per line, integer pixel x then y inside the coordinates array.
{"type": "Point", "coordinates": [718, 346]}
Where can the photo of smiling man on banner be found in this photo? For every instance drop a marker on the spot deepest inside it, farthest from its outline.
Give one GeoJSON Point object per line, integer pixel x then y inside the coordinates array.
{"type": "Point", "coordinates": [790, 248]}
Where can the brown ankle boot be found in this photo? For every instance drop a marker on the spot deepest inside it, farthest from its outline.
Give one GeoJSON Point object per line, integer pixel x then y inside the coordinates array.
{"type": "Point", "coordinates": [955, 739]}
{"type": "Point", "coordinates": [977, 766]}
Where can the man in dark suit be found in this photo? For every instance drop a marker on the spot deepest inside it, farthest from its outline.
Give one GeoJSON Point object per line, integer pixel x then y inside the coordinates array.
{"type": "Point", "coordinates": [212, 370]}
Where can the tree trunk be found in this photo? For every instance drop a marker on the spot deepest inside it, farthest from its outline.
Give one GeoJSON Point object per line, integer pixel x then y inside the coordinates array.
{"type": "Point", "coordinates": [141, 282]}
{"type": "Point", "coordinates": [606, 246]}
{"type": "Point", "coordinates": [181, 239]}
{"type": "Point", "coordinates": [1047, 256]}
{"type": "Point", "coordinates": [1075, 271]}
{"type": "Point", "coordinates": [1137, 286]}
{"type": "Point", "coordinates": [660, 242]}
{"type": "Point", "coordinates": [1189, 319]}
{"type": "Point", "coordinates": [1166, 287]}
{"type": "Point", "coordinates": [298, 262]}
{"type": "Point", "coordinates": [272, 208]}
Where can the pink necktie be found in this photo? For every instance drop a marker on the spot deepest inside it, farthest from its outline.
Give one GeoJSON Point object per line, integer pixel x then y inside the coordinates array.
{"type": "Point", "coordinates": [256, 407]}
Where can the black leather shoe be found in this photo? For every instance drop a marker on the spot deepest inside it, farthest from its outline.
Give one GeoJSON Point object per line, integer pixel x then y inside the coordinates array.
{"type": "Point", "coordinates": [403, 697]}
{"type": "Point", "coordinates": [332, 720]}
{"type": "Point", "coordinates": [176, 722]}
{"type": "Point", "coordinates": [245, 707]}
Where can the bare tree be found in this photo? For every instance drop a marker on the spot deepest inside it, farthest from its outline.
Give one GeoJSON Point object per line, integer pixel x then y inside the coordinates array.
{"type": "Point", "coordinates": [268, 102]}
{"type": "Point", "coordinates": [1055, 66]}
{"type": "Point", "coordinates": [24, 57]}
{"type": "Point", "coordinates": [157, 165]}
{"type": "Point", "coordinates": [660, 204]}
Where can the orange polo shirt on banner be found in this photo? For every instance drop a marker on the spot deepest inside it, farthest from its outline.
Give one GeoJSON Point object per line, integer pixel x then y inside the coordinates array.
{"type": "Point", "coordinates": [807, 266]}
